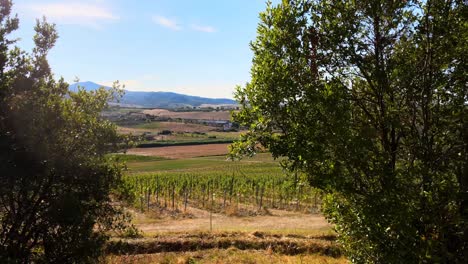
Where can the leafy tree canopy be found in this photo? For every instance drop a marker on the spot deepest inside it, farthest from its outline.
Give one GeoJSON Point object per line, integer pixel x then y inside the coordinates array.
{"type": "Point", "coordinates": [369, 99]}
{"type": "Point", "coordinates": [55, 179]}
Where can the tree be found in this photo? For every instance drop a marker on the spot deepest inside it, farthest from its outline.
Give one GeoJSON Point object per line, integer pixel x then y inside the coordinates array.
{"type": "Point", "coordinates": [55, 180]}
{"type": "Point", "coordinates": [369, 98]}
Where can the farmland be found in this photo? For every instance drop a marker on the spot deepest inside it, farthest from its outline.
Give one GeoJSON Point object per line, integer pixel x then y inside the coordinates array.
{"type": "Point", "coordinates": [206, 115]}
{"type": "Point", "coordinates": [180, 187]}
{"type": "Point", "coordinates": [345, 141]}
{"type": "Point", "coordinates": [167, 128]}
{"type": "Point", "coordinates": [159, 126]}
{"type": "Point", "coordinates": [179, 195]}
{"type": "Point", "coordinates": [252, 186]}
{"type": "Point", "coordinates": [178, 152]}
{"type": "Point", "coordinates": [254, 183]}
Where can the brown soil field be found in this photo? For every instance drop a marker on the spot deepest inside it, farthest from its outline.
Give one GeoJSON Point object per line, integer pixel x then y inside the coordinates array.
{"type": "Point", "coordinates": [220, 115]}
{"type": "Point", "coordinates": [182, 152]}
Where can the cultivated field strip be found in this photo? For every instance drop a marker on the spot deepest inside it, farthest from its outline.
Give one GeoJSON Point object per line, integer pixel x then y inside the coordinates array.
{"type": "Point", "coordinates": [182, 152]}
{"type": "Point", "coordinates": [231, 188]}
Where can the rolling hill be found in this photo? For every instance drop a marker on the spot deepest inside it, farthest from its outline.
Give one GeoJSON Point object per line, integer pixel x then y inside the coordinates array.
{"type": "Point", "coordinates": [157, 99]}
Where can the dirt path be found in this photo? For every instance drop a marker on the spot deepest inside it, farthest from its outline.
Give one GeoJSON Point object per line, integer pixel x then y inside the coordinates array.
{"type": "Point", "coordinates": [182, 152]}
{"type": "Point", "coordinates": [278, 222]}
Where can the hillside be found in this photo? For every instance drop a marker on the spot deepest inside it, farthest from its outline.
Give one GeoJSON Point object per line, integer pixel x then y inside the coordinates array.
{"type": "Point", "coordinates": [158, 99]}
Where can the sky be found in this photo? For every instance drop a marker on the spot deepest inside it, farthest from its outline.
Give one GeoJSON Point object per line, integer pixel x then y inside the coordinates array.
{"type": "Point", "coordinates": [194, 47]}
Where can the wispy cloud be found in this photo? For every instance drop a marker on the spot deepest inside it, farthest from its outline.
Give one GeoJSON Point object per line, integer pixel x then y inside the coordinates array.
{"type": "Point", "coordinates": [207, 29]}
{"type": "Point", "coordinates": [166, 22]}
{"type": "Point", "coordinates": [79, 13]}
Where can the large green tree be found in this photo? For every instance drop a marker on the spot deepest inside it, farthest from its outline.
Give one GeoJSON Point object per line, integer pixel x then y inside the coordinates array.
{"type": "Point", "coordinates": [369, 98]}
{"type": "Point", "coordinates": [55, 180]}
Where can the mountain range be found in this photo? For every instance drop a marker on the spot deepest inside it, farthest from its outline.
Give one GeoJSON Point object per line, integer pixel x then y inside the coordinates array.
{"type": "Point", "coordinates": [156, 99]}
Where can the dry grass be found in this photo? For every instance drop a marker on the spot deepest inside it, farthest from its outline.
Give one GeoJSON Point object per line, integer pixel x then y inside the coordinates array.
{"type": "Point", "coordinates": [278, 222]}
{"type": "Point", "coordinates": [182, 152]}
{"type": "Point", "coordinates": [232, 210]}
{"type": "Point", "coordinates": [131, 130]}
{"type": "Point", "coordinates": [196, 241]}
{"type": "Point", "coordinates": [283, 237]}
{"type": "Point", "coordinates": [221, 256]}
{"type": "Point", "coordinates": [220, 115]}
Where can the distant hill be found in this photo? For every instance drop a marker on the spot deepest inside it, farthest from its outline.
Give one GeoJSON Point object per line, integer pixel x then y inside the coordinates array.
{"type": "Point", "coordinates": [157, 99]}
{"type": "Point", "coordinates": [89, 86]}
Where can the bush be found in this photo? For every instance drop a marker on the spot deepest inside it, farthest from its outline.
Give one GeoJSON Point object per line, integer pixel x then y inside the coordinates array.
{"type": "Point", "coordinates": [369, 99]}
{"type": "Point", "coordinates": [165, 132]}
{"type": "Point", "coordinates": [56, 181]}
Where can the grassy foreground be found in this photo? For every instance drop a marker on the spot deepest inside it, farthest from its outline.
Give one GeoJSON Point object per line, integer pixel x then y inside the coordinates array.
{"type": "Point", "coordinates": [230, 255]}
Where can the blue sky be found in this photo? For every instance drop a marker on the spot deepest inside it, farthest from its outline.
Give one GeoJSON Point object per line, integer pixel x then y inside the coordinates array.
{"type": "Point", "coordinates": [196, 47]}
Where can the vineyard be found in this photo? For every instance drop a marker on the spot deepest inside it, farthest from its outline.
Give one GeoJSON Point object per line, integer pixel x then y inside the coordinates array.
{"type": "Point", "coordinates": [233, 186]}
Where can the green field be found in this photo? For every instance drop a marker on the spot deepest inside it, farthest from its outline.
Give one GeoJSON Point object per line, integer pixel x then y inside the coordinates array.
{"type": "Point", "coordinates": [142, 164]}
{"type": "Point", "coordinates": [182, 142]}
{"type": "Point", "coordinates": [130, 159]}
{"type": "Point", "coordinates": [150, 125]}
{"type": "Point", "coordinates": [257, 182]}
{"type": "Point", "coordinates": [188, 165]}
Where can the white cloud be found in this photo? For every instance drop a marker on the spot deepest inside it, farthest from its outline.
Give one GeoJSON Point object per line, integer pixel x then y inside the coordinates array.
{"type": "Point", "coordinates": [78, 13]}
{"type": "Point", "coordinates": [207, 29]}
{"type": "Point", "coordinates": [174, 25]}
{"type": "Point", "coordinates": [166, 22]}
